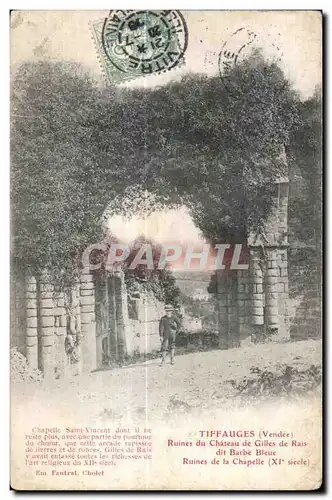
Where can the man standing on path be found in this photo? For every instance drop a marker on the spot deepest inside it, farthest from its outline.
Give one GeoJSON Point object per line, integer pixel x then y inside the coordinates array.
{"type": "Point", "coordinates": [168, 329]}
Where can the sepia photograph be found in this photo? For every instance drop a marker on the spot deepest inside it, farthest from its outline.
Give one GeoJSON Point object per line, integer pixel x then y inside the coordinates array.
{"type": "Point", "coordinates": [166, 250]}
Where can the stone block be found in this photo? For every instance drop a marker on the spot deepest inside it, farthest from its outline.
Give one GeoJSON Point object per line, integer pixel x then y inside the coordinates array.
{"type": "Point", "coordinates": [31, 331]}
{"type": "Point", "coordinates": [243, 279]}
{"type": "Point", "coordinates": [47, 341]}
{"type": "Point", "coordinates": [258, 288]}
{"type": "Point", "coordinates": [60, 330]}
{"type": "Point", "coordinates": [46, 303]}
{"type": "Point", "coordinates": [87, 300]}
{"type": "Point", "coordinates": [31, 287]}
{"type": "Point", "coordinates": [47, 312]}
{"type": "Point", "coordinates": [272, 254]}
{"type": "Point", "coordinates": [273, 287]}
{"type": "Point", "coordinates": [314, 313]}
{"type": "Point", "coordinates": [46, 295]}
{"type": "Point", "coordinates": [86, 327]}
{"type": "Point", "coordinates": [32, 322]}
{"type": "Point", "coordinates": [47, 331]}
{"type": "Point", "coordinates": [222, 321]}
{"type": "Point", "coordinates": [63, 320]}
{"type": "Point", "coordinates": [283, 255]}
{"type": "Point", "coordinates": [257, 311]}
{"type": "Point", "coordinates": [87, 317]}
{"type": "Point", "coordinates": [31, 304]}
{"type": "Point", "coordinates": [86, 276]}
{"type": "Point", "coordinates": [87, 308]}
{"type": "Point", "coordinates": [89, 349]}
{"type": "Point", "coordinates": [272, 321]}
{"type": "Point", "coordinates": [31, 341]}
{"type": "Point", "coordinates": [89, 285]}
{"type": "Point", "coordinates": [47, 321]}
{"type": "Point", "coordinates": [256, 303]}
{"type": "Point", "coordinates": [32, 356]}
{"type": "Point", "coordinates": [221, 301]}
{"type": "Point", "coordinates": [271, 311]}
{"type": "Point", "coordinates": [31, 295]}
{"type": "Point", "coordinates": [257, 296]}
{"type": "Point", "coordinates": [271, 264]}
{"type": "Point", "coordinates": [271, 273]}
{"type": "Point", "coordinates": [257, 320]}
{"type": "Point", "coordinates": [256, 273]}
{"type": "Point", "coordinates": [87, 293]}
{"type": "Point", "coordinates": [60, 302]}
{"type": "Point", "coordinates": [47, 356]}
{"type": "Point", "coordinates": [31, 313]}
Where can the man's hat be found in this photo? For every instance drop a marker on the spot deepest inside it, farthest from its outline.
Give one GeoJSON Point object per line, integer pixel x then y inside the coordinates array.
{"type": "Point", "coordinates": [169, 307]}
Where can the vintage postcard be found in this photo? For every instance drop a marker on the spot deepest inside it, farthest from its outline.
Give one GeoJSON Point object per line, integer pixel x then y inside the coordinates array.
{"type": "Point", "coordinates": [166, 250]}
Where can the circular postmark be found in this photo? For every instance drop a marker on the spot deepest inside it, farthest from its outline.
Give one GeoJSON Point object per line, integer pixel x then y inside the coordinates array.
{"type": "Point", "coordinates": [240, 46]}
{"type": "Point", "coordinates": [144, 42]}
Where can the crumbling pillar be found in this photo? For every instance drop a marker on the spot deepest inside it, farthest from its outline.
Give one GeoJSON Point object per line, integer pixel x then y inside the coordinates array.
{"type": "Point", "coordinates": [46, 315]}
{"type": "Point", "coordinates": [60, 322]}
{"type": "Point", "coordinates": [257, 296]}
{"type": "Point", "coordinates": [282, 296]}
{"type": "Point", "coordinates": [88, 322]}
{"type": "Point", "coordinates": [271, 290]}
{"type": "Point", "coordinates": [233, 316]}
{"type": "Point", "coordinates": [243, 307]}
{"type": "Point", "coordinates": [31, 322]}
{"type": "Point", "coordinates": [222, 307]}
{"type": "Point", "coordinates": [60, 330]}
{"type": "Point", "coordinates": [120, 306]}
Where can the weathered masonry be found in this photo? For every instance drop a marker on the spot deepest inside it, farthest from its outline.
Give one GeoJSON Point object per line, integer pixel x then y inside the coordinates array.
{"type": "Point", "coordinates": [251, 303]}
{"type": "Point", "coordinates": [254, 302]}
{"type": "Point", "coordinates": [110, 324]}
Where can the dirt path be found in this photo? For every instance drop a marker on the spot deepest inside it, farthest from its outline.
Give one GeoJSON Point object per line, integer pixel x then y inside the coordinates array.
{"type": "Point", "coordinates": [196, 381]}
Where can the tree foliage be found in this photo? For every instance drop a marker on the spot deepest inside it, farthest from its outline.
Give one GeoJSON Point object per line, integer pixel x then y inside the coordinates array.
{"type": "Point", "coordinates": [79, 149]}
{"type": "Point", "coordinates": [305, 159]}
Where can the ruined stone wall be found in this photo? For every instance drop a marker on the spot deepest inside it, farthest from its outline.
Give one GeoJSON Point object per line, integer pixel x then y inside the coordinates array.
{"type": "Point", "coordinates": [125, 324]}
{"type": "Point", "coordinates": [87, 318]}
{"type": "Point", "coordinates": [253, 303]}
{"type": "Point", "coordinates": [40, 322]}
{"type": "Point", "coordinates": [305, 294]}
{"type": "Point", "coordinates": [17, 312]}
{"type": "Point", "coordinates": [146, 312]}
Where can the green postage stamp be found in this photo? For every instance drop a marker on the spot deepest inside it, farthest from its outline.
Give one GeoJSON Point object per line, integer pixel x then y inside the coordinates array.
{"type": "Point", "coordinates": [132, 44]}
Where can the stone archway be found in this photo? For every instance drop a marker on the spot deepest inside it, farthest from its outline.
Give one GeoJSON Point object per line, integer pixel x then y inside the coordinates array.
{"type": "Point", "coordinates": [250, 302]}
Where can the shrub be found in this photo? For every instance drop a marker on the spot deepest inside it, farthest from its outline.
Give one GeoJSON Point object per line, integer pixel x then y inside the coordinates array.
{"type": "Point", "coordinates": [20, 369]}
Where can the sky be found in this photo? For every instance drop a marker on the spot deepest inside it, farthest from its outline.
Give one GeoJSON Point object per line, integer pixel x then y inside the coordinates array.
{"type": "Point", "coordinates": [292, 38]}
{"type": "Point", "coordinates": [67, 35]}
{"type": "Point", "coordinates": [161, 226]}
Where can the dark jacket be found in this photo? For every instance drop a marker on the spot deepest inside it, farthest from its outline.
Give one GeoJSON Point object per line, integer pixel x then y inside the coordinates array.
{"type": "Point", "coordinates": [168, 326]}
